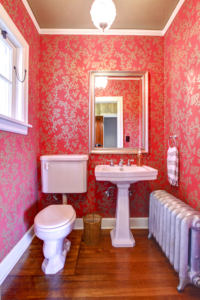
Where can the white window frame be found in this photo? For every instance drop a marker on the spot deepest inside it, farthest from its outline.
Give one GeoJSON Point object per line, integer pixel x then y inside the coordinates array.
{"type": "Point", "coordinates": [18, 123]}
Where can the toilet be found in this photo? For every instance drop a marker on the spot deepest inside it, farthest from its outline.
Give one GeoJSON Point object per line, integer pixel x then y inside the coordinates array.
{"type": "Point", "coordinates": [60, 174]}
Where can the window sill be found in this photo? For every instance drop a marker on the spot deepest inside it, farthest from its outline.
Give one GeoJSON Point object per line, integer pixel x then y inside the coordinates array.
{"type": "Point", "coordinates": [13, 125]}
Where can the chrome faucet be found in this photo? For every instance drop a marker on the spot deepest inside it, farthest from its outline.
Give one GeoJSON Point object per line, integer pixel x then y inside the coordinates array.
{"type": "Point", "coordinates": [111, 162]}
{"type": "Point", "coordinates": [129, 162]}
{"type": "Point", "coordinates": [121, 163]}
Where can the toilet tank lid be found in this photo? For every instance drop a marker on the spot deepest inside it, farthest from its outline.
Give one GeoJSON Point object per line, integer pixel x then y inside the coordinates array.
{"type": "Point", "coordinates": [64, 157]}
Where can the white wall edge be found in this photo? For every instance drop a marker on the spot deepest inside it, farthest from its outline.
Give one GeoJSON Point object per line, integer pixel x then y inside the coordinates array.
{"type": "Point", "coordinates": [171, 19]}
{"type": "Point", "coordinates": [108, 223]}
{"type": "Point", "coordinates": [14, 255]}
{"type": "Point", "coordinates": [29, 10]}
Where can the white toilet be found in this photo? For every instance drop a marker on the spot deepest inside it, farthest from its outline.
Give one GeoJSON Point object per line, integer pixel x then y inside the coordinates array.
{"type": "Point", "coordinates": [60, 174]}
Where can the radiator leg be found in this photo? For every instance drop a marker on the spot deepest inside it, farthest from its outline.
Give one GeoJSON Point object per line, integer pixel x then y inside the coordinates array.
{"type": "Point", "coordinates": [182, 283]}
{"type": "Point", "coordinates": [196, 281]}
{"type": "Point", "coordinates": [150, 235]}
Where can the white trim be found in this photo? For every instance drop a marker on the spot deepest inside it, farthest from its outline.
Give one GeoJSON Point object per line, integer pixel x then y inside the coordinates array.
{"type": "Point", "coordinates": [119, 101]}
{"type": "Point", "coordinates": [32, 15]}
{"type": "Point", "coordinates": [171, 19]}
{"type": "Point", "coordinates": [109, 223]}
{"type": "Point", "coordinates": [136, 32]}
{"type": "Point", "coordinates": [105, 115]}
{"type": "Point", "coordinates": [61, 31]}
{"type": "Point", "coordinates": [21, 100]}
{"type": "Point", "coordinates": [14, 255]}
{"type": "Point", "coordinates": [13, 125]}
{"type": "Point", "coordinates": [18, 39]}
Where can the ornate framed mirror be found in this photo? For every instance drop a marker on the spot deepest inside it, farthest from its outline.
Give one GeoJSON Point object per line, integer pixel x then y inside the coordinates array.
{"type": "Point", "coordinates": [118, 112]}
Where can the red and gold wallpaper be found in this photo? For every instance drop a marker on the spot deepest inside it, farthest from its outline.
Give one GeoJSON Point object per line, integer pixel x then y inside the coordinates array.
{"type": "Point", "coordinates": [18, 153]}
{"type": "Point", "coordinates": [131, 91]}
{"type": "Point", "coordinates": [59, 79]}
{"type": "Point", "coordinates": [182, 99]}
{"type": "Point", "coordinates": [65, 62]}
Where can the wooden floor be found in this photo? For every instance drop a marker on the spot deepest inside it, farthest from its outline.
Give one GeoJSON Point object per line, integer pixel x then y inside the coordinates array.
{"type": "Point", "coordinates": [99, 272]}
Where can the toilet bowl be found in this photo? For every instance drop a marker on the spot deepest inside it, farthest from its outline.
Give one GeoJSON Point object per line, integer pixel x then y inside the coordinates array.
{"type": "Point", "coordinates": [60, 174]}
{"type": "Point", "coordinates": [52, 225]}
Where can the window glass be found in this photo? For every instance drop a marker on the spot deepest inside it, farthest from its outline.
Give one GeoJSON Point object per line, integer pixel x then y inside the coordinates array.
{"type": "Point", "coordinates": [6, 83]}
{"type": "Point", "coordinates": [5, 97]}
{"type": "Point", "coordinates": [6, 55]}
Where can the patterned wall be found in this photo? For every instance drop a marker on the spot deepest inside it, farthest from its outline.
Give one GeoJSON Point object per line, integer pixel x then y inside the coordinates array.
{"type": "Point", "coordinates": [18, 153]}
{"type": "Point", "coordinates": [182, 98]}
{"type": "Point", "coordinates": [130, 90]}
{"type": "Point", "coordinates": [65, 63]}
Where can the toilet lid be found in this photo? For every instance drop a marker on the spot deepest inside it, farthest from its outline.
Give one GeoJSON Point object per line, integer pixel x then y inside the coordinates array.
{"type": "Point", "coordinates": [54, 216]}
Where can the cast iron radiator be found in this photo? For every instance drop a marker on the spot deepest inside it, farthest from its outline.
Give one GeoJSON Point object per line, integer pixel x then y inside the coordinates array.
{"type": "Point", "coordinates": [176, 227]}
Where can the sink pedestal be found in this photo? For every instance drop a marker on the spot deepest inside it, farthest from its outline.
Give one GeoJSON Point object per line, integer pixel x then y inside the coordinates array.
{"type": "Point", "coordinates": [123, 177]}
{"type": "Point", "coordinates": [121, 235]}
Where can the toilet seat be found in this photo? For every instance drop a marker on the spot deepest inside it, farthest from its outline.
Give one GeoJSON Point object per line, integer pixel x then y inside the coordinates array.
{"type": "Point", "coordinates": [54, 216]}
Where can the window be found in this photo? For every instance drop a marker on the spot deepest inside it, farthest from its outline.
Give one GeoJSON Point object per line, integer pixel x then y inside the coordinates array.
{"type": "Point", "coordinates": [14, 52]}
{"type": "Point", "coordinates": [7, 81]}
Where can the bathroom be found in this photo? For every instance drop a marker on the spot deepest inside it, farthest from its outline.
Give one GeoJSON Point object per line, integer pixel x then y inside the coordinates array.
{"type": "Point", "coordinates": [59, 67]}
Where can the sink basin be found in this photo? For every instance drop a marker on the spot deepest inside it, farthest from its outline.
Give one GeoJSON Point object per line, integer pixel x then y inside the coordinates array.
{"type": "Point", "coordinates": [121, 235]}
{"type": "Point", "coordinates": [130, 174]}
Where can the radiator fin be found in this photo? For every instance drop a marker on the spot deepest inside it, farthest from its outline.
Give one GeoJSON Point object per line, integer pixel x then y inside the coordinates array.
{"type": "Point", "coordinates": [176, 227]}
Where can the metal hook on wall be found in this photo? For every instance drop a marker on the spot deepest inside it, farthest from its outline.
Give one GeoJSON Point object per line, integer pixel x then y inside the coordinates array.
{"type": "Point", "coordinates": [18, 76]}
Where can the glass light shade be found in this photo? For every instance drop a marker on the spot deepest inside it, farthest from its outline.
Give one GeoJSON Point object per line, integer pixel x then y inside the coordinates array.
{"type": "Point", "coordinates": [101, 82]}
{"type": "Point", "coordinates": [103, 13]}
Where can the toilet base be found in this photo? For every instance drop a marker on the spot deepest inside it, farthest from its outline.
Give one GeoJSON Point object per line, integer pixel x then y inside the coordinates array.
{"type": "Point", "coordinates": [52, 265]}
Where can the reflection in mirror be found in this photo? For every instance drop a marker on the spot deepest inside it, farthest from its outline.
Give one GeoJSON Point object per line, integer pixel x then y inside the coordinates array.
{"type": "Point", "coordinates": [108, 122]}
{"type": "Point", "coordinates": [129, 90]}
{"type": "Point", "coordinates": [118, 112]}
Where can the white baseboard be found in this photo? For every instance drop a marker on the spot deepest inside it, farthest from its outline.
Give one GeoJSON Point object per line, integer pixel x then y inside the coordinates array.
{"type": "Point", "coordinates": [14, 255]}
{"type": "Point", "coordinates": [108, 223]}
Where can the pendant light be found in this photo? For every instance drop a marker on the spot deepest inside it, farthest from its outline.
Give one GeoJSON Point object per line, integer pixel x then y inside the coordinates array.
{"type": "Point", "coordinates": [103, 13]}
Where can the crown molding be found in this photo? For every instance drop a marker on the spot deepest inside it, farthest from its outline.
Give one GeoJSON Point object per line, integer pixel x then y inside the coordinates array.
{"type": "Point", "coordinates": [171, 19]}
{"type": "Point", "coordinates": [98, 32]}
{"type": "Point", "coordinates": [130, 32]}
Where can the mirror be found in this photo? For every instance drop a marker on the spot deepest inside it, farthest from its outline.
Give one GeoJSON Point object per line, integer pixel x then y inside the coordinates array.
{"type": "Point", "coordinates": [118, 112]}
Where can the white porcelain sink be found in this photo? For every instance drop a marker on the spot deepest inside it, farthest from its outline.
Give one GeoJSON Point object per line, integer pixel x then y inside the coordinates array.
{"type": "Point", "coordinates": [121, 235]}
{"type": "Point", "coordinates": [124, 174]}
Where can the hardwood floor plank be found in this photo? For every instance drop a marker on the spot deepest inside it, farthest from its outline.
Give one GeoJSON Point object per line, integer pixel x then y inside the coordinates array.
{"type": "Point", "coordinates": [98, 272]}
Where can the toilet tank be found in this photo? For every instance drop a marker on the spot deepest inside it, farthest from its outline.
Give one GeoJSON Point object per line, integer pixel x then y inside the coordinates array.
{"type": "Point", "coordinates": [64, 173]}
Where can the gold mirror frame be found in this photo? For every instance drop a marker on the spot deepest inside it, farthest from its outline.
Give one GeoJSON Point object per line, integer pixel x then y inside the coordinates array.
{"type": "Point", "coordinates": [145, 108]}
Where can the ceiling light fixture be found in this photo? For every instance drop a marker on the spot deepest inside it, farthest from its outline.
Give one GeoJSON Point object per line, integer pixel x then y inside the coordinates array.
{"type": "Point", "coordinates": [103, 13]}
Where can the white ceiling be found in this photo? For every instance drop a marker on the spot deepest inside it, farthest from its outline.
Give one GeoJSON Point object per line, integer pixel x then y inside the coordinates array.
{"type": "Point", "coordinates": [74, 15]}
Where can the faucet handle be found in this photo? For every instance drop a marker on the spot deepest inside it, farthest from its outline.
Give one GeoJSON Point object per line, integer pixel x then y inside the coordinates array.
{"type": "Point", "coordinates": [129, 162]}
{"type": "Point", "coordinates": [111, 162]}
{"type": "Point", "coordinates": [121, 162]}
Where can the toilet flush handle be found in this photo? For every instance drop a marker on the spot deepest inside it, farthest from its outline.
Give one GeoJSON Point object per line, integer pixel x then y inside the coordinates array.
{"type": "Point", "coordinates": [46, 166]}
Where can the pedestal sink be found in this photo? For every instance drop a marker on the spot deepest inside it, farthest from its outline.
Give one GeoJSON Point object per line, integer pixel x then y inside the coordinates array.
{"type": "Point", "coordinates": [121, 235]}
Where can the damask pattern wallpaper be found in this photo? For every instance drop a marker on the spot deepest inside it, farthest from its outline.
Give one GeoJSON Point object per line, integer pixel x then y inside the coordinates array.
{"type": "Point", "coordinates": [65, 62]}
{"type": "Point", "coordinates": [182, 98]}
{"type": "Point", "coordinates": [130, 90]}
{"type": "Point", "coordinates": [18, 153]}
{"type": "Point", "coordinates": [60, 120]}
